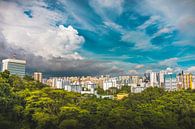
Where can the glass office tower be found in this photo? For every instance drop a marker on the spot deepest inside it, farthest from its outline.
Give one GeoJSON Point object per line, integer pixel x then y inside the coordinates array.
{"type": "Point", "coordinates": [14, 66]}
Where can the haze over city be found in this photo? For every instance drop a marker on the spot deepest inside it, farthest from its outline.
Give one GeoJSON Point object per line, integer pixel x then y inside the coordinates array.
{"type": "Point", "coordinates": [94, 37]}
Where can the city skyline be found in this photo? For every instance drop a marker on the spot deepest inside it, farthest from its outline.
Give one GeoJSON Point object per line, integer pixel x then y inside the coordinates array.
{"type": "Point", "coordinates": [95, 37]}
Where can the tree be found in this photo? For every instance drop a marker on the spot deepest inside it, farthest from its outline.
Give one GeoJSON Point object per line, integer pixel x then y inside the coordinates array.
{"type": "Point", "coordinates": [125, 89]}
{"type": "Point", "coordinates": [100, 91]}
{"type": "Point", "coordinates": [28, 78]}
{"type": "Point", "coordinates": [45, 120]}
{"type": "Point", "coordinates": [5, 74]}
{"type": "Point", "coordinates": [120, 118]}
{"type": "Point", "coordinates": [69, 124]}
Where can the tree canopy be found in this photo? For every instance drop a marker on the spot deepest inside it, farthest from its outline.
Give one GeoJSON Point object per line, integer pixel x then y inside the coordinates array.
{"type": "Point", "coordinates": [28, 104]}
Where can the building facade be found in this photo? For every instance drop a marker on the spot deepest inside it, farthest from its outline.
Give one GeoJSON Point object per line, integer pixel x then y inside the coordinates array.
{"type": "Point", "coordinates": [153, 79]}
{"type": "Point", "coordinates": [170, 82]}
{"type": "Point", "coordinates": [161, 78]}
{"type": "Point", "coordinates": [109, 83]}
{"type": "Point", "coordinates": [185, 80]}
{"type": "Point", "coordinates": [14, 66]}
{"type": "Point", "coordinates": [37, 76]}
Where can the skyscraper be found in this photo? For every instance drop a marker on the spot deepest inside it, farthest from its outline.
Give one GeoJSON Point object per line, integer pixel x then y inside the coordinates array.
{"type": "Point", "coordinates": [14, 66]}
{"type": "Point", "coordinates": [38, 76]}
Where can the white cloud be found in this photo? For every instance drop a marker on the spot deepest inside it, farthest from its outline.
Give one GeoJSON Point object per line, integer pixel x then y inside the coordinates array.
{"type": "Point", "coordinates": [171, 62]}
{"type": "Point", "coordinates": [110, 3]}
{"type": "Point", "coordinates": [177, 69]}
{"type": "Point", "coordinates": [140, 39]}
{"type": "Point", "coordinates": [187, 58]}
{"type": "Point", "coordinates": [151, 21]}
{"type": "Point", "coordinates": [139, 66]}
{"type": "Point", "coordinates": [184, 43]}
{"type": "Point", "coordinates": [155, 19]}
{"type": "Point", "coordinates": [74, 56]}
{"type": "Point", "coordinates": [81, 19]}
{"type": "Point", "coordinates": [164, 30]}
{"type": "Point", "coordinates": [148, 71]}
{"type": "Point", "coordinates": [38, 35]}
{"type": "Point", "coordinates": [133, 72]}
{"type": "Point", "coordinates": [191, 69]}
{"type": "Point", "coordinates": [101, 6]}
{"type": "Point", "coordinates": [114, 26]}
{"type": "Point", "coordinates": [177, 13]}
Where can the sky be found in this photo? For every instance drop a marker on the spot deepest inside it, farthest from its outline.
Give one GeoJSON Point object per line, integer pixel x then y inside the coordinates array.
{"type": "Point", "coordinates": [94, 37]}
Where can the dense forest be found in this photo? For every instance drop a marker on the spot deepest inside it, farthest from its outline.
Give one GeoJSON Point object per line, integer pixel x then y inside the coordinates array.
{"type": "Point", "coordinates": [27, 104]}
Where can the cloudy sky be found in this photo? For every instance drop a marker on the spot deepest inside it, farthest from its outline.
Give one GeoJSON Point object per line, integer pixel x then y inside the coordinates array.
{"type": "Point", "coordinates": [93, 37]}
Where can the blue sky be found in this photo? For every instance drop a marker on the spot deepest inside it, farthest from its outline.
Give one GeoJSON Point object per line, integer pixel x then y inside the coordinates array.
{"type": "Point", "coordinates": [91, 37]}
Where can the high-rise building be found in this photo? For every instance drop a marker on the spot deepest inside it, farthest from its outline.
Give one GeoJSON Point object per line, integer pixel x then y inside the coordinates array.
{"type": "Point", "coordinates": [88, 87]}
{"type": "Point", "coordinates": [193, 82]}
{"type": "Point", "coordinates": [153, 79]}
{"type": "Point", "coordinates": [109, 83]}
{"type": "Point", "coordinates": [14, 66]}
{"type": "Point", "coordinates": [170, 82]}
{"type": "Point", "coordinates": [135, 79]}
{"type": "Point", "coordinates": [185, 80]}
{"type": "Point", "coordinates": [161, 78]}
{"type": "Point", "coordinates": [37, 76]}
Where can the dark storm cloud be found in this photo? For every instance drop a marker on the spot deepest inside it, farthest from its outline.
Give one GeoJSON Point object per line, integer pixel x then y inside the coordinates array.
{"type": "Point", "coordinates": [57, 66]}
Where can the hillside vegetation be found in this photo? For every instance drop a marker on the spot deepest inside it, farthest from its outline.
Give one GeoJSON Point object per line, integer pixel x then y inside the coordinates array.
{"type": "Point", "coordinates": [27, 104]}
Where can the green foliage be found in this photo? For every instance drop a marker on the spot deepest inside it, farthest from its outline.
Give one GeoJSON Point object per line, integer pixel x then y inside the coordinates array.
{"type": "Point", "coordinates": [125, 89]}
{"type": "Point", "coordinates": [69, 124]}
{"type": "Point", "coordinates": [45, 120]}
{"type": "Point", "coordinates": [101, 91]}
{"type": "Point", "coordinates": [28, 78]}
{"type": "Point", "coordinates": [28, 104]}
{"type": "Point", "coordinates": [5, 74]}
